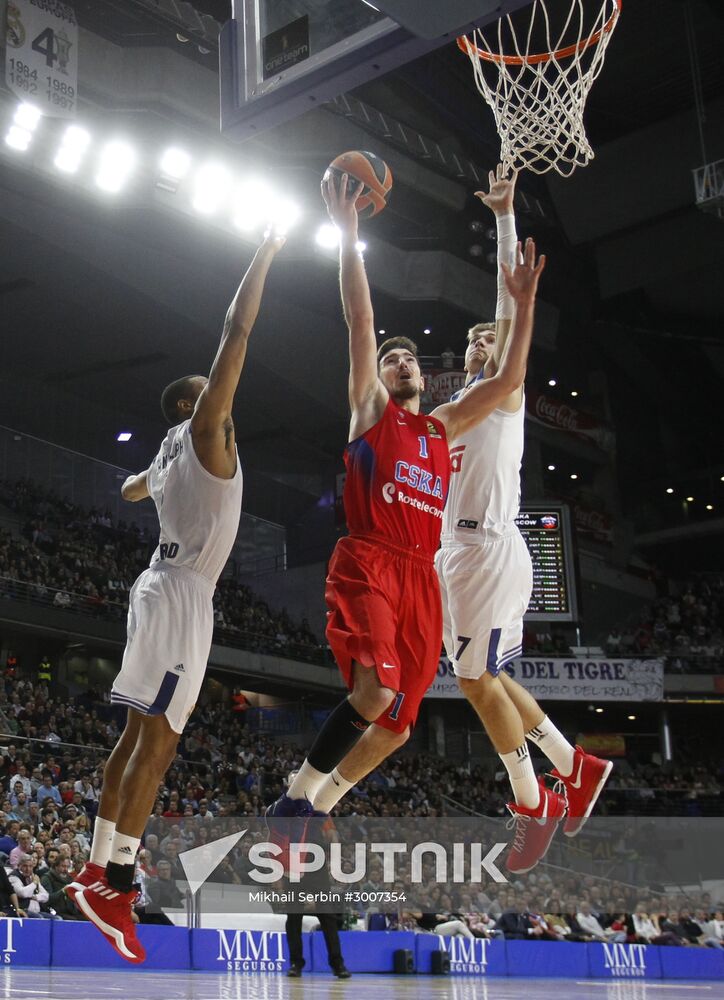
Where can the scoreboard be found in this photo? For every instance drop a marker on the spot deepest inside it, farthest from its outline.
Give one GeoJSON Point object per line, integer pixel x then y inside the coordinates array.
{"type": "Point", "coordinates": [547, 533]}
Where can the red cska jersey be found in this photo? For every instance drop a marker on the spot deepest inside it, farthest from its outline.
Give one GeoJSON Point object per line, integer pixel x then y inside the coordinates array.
{"type": "Point", "coordinates": [397, 480]}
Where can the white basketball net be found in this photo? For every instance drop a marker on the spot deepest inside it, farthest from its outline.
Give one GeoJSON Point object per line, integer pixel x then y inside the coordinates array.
{"type": "Point", "coordinates": [536, 81]}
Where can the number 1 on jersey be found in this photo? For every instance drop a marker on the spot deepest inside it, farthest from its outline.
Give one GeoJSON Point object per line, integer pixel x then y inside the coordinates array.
{"type": "Point", "coordinates": [423, 446]}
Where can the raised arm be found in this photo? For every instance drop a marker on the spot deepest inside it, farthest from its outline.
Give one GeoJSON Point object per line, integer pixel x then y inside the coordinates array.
{"type": "Point", "coordinates": [367, 396]}
{"type": "Point", "coordinates": [135, 487]}
{"type": "Point", "coordinates": [499, 199]}
{"type": "Point", "coordinates": [488, 394]}
{"type": "Point", "coordinates": [211, 425]}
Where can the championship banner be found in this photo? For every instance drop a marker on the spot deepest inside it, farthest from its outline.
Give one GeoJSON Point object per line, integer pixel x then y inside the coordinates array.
{"type": "Point", "coordinates": [41, 58]}
{"type": "Point", "coordinates": [559, 416]}
{"type": "Point", "coordinates": [571, 680]}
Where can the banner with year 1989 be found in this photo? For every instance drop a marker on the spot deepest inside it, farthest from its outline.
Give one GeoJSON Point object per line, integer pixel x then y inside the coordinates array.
{"type": "Point", "coordinates": [41, 58]}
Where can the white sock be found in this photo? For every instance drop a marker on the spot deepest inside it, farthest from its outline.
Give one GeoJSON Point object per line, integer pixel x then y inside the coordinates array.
{"type": "Point", "coordinates": [307, 782]}
{"type": "Point", "coordinates": [522, 776]}
{"type": "Point", "coordinates": [123, 849]}
{"type": "Point", "coordinates": [103, 832]}
{"type": "Point", "coordinates": [334, 788]}
{"type": "Point", "coordinates": [554, 745]}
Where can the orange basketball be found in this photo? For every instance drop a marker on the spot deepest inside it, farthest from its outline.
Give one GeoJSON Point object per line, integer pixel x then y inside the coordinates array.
{"type": "Point", "coordinates": [368, 170]}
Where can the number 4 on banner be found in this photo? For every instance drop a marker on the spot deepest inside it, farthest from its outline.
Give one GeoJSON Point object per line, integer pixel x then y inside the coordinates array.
{"type": "Point", "coordinates": [44, 43]}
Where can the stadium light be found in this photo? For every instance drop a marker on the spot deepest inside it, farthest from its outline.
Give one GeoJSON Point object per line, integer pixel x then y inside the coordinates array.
{"type": "Point", "coordinates": [574, 393]}
{"type": "Point", "coordinates": [381, 333]}
{"type": "Point", "coordinates": [689, 499]}
{"type": "Point", "coordinates": [427, 330]}
{"type": "Point", "coordinates": [73, 145]}
{"type": "Point", "coordinates": [18, 138]}
{"type": "Point", "coordinates": [552, 382]}
{"type": "Point", "coordinates": [327, 236]}
{"type": "Point", "coordinates": [631, 718]}
{"type": "Point", "coordinates": [211, 189]}
{"type": "Point", "coordinates": [27, 116]}
{"type": "Point", "coordinates": [670, 489]}
{"type": "Point", "coordinates": [124, 436]}
{"type": "Point", "coordinates": [574, 475]}
{"type": "Point", "coordinates": [709, 506]}
{"type": "Point", "coordinates": [599, 711]}
{"type": "Point", "coordinates": [116, 165]}
{"type": "Point", "coordinates": [360, 246]}
{"type": "Point", "coordinates": [253, 203]}
{"type": "Point", "coordinates": [551, 468]}
{"type": "Point", "coordinates": [283, 216]}
{"type": "Point", "coordinates": [175, 163]}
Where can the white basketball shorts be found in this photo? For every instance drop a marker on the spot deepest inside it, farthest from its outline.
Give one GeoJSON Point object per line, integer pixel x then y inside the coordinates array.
{"type": "Point", "coordinates": [485, 589]}
{"type": "Point", "coordinates": [170, 627]}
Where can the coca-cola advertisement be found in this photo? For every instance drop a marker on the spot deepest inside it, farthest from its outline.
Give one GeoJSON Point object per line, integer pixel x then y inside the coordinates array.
{"type": "Point", "coordinates": [594, 523]}
{"type": "Point", "coordinates": [561, 416]}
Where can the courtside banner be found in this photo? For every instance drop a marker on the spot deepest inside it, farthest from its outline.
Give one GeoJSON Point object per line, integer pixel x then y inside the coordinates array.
{"type": "Point", "coordinates": [541, 959]}
{"type": "Point", "coordinates": [476, 957]}
{"type": "Point", "coordinates": [692, 963]}
{"type": "Point", "coordinates": [569, 679]}
{"type": "Point", "coordinates": [25, 941]}
{"type": "Point", "coordinates": [625, 961]}
{"type": "Point", "coordinates": [363, 951]}
{"type": "Point", "coordinates": [79, 945]}
{"type": "Point", "coordinates": [243, 951]}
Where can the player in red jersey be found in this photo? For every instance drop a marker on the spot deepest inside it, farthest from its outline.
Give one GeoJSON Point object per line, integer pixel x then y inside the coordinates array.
{"type": "Point", "coordinates": [384, 620]}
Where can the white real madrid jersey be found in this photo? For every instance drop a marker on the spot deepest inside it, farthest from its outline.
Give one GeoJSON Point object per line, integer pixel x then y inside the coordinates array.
{"type": "Point", "coordinates": [198, 513]}
{"type": "Point", "coordinates": [484, 496]}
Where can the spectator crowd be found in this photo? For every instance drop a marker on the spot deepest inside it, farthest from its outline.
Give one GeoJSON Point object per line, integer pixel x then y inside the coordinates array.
{"type": "Point", "coordinates": [77, 559]}
{"type": "Point", "coordinates": [686, 625]}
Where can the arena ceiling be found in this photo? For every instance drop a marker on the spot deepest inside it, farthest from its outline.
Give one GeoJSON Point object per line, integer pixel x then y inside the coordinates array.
{"type": "Point", "coordinates": [635, 267]}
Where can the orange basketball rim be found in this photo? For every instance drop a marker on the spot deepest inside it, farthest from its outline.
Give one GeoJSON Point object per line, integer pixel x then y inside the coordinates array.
{"type": "Point", "coordinates": [471, 49]}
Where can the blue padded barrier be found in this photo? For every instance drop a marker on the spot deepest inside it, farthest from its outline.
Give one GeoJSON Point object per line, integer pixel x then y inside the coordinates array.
{"type": "Point", "coordinates": [25, 941]}
{"type": "Point", "coordinates": [78, 945]}
{"type": "Point", "coordinates": [625, 961]}
{"type": "Point", "coordinates": [244, 951]}
{"type": "Point", "coordinates": [467, 958]}
{"type": "Point", "coordinates": [555, 959]}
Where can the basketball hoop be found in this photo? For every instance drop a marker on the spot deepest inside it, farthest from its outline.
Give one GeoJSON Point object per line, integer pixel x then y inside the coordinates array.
{"type": "Point", "coordinates": [536, 80]}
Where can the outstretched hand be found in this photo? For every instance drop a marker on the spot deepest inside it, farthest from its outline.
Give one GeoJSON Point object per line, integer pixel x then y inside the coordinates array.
{"type": "Point", "coordinates": [522, 280]}
{"type": "Point", "coordinates": [499, 198]}
{"type": "Point", "coordinates": [273, 241]}
{"type": "Point", "coordinates": [341, 205]}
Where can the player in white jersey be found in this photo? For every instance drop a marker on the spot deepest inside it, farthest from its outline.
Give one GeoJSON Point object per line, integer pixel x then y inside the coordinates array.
{"type": "Point", "coordinates": [195, 482]}
{"type": "Point", "coordinates": [486, 580]}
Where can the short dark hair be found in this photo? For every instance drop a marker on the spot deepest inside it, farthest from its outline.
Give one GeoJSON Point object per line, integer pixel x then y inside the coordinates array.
{"type": "Point", "coordinates": [396, 343]}
{"type": "Point", "coordinates": [172, 396]}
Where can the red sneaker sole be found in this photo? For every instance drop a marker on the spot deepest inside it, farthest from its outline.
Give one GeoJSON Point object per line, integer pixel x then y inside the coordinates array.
{"type": "Point", "coordinates": [575, 830]}
{"type": "Point", "coordinates": [111, 934]}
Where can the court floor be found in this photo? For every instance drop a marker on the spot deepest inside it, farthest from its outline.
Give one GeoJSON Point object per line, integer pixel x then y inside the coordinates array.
{"type": "Point", "coordinates": [69, 984]}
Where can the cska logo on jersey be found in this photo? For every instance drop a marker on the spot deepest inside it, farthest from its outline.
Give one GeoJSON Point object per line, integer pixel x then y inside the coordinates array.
{"type": "Point", "coordinates": [433, 431]}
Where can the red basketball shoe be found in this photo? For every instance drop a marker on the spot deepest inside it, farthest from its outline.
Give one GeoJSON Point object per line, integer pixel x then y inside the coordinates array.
{"type": "Point", "coordinates": [110, 910]}
{"type": "Point", "coordinates": [89, 874]}
{"type": "Point", "coordinates": [583, 786]}
{"type": "Point", "coordinates": [534, 830]}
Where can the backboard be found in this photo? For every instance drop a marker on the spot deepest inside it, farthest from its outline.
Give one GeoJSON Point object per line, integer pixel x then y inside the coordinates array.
{"type": "Point", "coordinates": [279, 58]}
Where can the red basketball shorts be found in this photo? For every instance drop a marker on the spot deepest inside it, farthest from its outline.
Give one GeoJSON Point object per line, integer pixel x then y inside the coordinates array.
{"type": "Point", "coordinates": [385, 613]}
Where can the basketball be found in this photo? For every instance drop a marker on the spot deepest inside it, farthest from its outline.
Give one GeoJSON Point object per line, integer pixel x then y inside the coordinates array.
{"type": "Point", "coordinates": [368, 170]}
